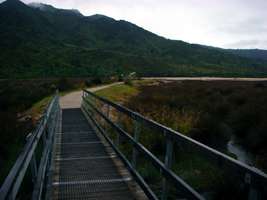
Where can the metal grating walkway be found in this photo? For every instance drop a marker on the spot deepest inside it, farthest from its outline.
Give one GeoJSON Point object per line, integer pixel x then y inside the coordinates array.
{"type": "Point", "coordinates": [84, 167]}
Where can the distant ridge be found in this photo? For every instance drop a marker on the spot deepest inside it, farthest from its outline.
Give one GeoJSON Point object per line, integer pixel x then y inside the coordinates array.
{"type": "Point", "coordinates": [49, 8]}
{"type": "Point", "coordinates": [39, 40]}
{"type": "Point", "coordinates": [257, 54]}
{"type": "Point", "coordinates": [250, 53]}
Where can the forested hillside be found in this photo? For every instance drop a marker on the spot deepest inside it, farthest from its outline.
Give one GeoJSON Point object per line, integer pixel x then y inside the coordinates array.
{"type": "Point", "coordinates": [250, 53]}
{"type": "Point", "coordinates": [42, 41]}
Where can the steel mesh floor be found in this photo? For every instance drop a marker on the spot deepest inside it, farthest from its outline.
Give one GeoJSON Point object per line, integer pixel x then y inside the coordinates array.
{"type": "Point", "coordinates": [83, 165]}
{"type": "Point", "coordinates": [102, 168]}
{"type": "Point", "coordinates": [118, 191]}
{"type": "Point", "coordinates": [75, 137]}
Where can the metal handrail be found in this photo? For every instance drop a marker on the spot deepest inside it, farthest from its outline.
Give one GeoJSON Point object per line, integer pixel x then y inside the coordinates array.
{"type": "Point", "coordinates": [152, 158]}
{"type": "Point", "coordinates": [12, 183]}
{"type": "Point", "coordinates": [251, 176]}
{"type": "Point", "coordinates": [189, 191]}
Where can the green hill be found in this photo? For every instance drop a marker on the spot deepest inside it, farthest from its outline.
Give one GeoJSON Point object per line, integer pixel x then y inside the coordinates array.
{"type": "Point", "coordinates": [250, 53]}
{"type": "Point", "coordinates": [42, 41]}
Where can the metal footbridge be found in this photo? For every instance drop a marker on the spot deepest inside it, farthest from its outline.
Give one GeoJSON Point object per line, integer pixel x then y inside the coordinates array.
{"type": "Point", "coordinates": [97, 149]}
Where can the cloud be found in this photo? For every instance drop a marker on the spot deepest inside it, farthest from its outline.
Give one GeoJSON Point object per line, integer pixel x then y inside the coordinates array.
{"type": "Point", "coordinates": [248, 44]}
{"type": "Point", "coordinates": [245, 27]}
{"type": "Point", "coordinates": [249, 33]}
{"type": "Point", "coordinates": [210, 22]}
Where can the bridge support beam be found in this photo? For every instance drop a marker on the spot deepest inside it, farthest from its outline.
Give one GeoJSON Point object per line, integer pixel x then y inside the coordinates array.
{"type": "Point", "coordinates": [253, 194]}
{"type": "Point", "coordinates": [168, 165]}
{"type": "Point", "coordinates": [108, 110]}
{"type": "Point", "coordinates": [136, 138]}
{"type": "Point", "coordinates": [119, 123]}
{"type": "Point", "coordinates": [33, 164]}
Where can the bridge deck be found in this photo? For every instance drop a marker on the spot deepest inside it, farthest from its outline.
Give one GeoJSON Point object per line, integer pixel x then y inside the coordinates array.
{"type": "Point", "coordinates": [85, 167]}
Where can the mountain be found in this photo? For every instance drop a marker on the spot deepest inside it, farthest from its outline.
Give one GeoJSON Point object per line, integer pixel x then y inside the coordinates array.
{"type": "Point", "coordinates": [38, 40]}
{"type": "Point", "coordinates": [49, 8]}
{"type": "Point", "coordinates": [257, 54]}
{"type": "Point", "coordinates": [250, 53]}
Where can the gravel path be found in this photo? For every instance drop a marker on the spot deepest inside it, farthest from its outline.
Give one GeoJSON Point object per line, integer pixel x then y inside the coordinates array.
{"type": "Point", "coordinates": [74, 99]}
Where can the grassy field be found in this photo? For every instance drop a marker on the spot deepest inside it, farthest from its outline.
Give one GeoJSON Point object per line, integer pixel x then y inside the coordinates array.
{"type": "Point", "coordinates": [119, 93]}
{"type": "Point", "coordinates": [208, 111]}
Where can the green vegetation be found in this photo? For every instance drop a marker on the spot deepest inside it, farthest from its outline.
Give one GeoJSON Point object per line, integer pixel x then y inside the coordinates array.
{"type": "Point", "coordinates": [21, 104]}
{"type": "Point", "coordinates": [60, 43]}
{"type": "Point", "coordinates": [208, 111]}
{"type": "Point", "coordinates": [118, 93]}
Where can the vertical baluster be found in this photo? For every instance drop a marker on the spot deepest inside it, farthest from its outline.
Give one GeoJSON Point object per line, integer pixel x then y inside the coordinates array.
{"type": "Point", "coordinates": [47, 126]}
{"type": "Point", "coordinates": [95, 101]}
{"type": "Point", "coordinates": [89, 107]}
{"type": "Point", "coordinates": [33, 164]}
{"type": "Point", "coordinates": [108, 110]}
{"type": "Point", "coordinates": [44, 137]}
{"type": "Point", "coordinates": [168, 164]}
{"type": "Point", "coordinates": [136, 138]}
{"type": "Point", "coordinates": [253, 194]}
{"type": "Point", "coordinates": [119, 123]}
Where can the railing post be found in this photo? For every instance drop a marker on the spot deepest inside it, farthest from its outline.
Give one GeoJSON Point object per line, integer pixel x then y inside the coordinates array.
{"type": "Point", "coordinates": [48, 126]}
{"type": "Point", "coordinates": [33, 165]}
{"type": "Point", "coordinates": [95, 101]}
{"type": "Point", "coordinates": [108, 110]}
{"type": "Point", "coordinates": [117, 142]}
{"type": "Point", "coordinates": [253, 194]}
{"type": "Point", "coordinates": [44, 137]}
{"type": "Point", "coordinates": [136, 138]}
{"type": "Point", "coordinates": [168, 165]}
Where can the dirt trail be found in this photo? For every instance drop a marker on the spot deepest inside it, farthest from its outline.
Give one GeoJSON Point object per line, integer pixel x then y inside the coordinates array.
{"type": "Point", "coordinates": [74, 99]}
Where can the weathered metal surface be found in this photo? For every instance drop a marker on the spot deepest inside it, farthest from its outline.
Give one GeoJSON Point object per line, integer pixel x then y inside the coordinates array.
{"type": "Point", "coordinates": [84, 167]}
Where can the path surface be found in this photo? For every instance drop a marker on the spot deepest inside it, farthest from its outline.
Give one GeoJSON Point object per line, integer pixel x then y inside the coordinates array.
{"type": "Point", "coordinates": [73, 99]}
{"type": "Point", "coordinates": [205, 79]}
{"type": "Point", "coordinates": [84, 166]}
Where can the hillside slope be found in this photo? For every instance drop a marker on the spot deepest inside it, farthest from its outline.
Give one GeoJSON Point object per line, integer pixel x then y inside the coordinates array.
{"type": "Point", "coordinates": [250, 53]}
{"type": "Point", "coordinates": [42, 41]}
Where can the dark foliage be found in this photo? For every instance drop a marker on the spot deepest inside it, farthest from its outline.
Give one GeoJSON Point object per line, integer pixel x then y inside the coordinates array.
{"type": "Point", "coordinates": [210, 111]}
{"type": "Point", "coordinates": [60, 43]}
{"type": "Point", "coordinates": [15, 98]}
{"type": "Point", "coordinates": [250, 53]}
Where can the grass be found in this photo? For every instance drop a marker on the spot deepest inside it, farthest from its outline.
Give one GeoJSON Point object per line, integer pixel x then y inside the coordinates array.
{"type": "Point", "coordinates": [207, 111]}
{"type": "Point", "coordinates": [119, 93]}
{"type": "Point", "coordinates": [197, 171]}
{"type": "Point", "coordinates": [21, 104]}
{"type": "Point", "coordinates": [38, 108]}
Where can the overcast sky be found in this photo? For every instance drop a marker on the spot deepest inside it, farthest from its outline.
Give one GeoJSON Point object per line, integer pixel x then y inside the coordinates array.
{"type": "Point", "coordinates": [222, 23]}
